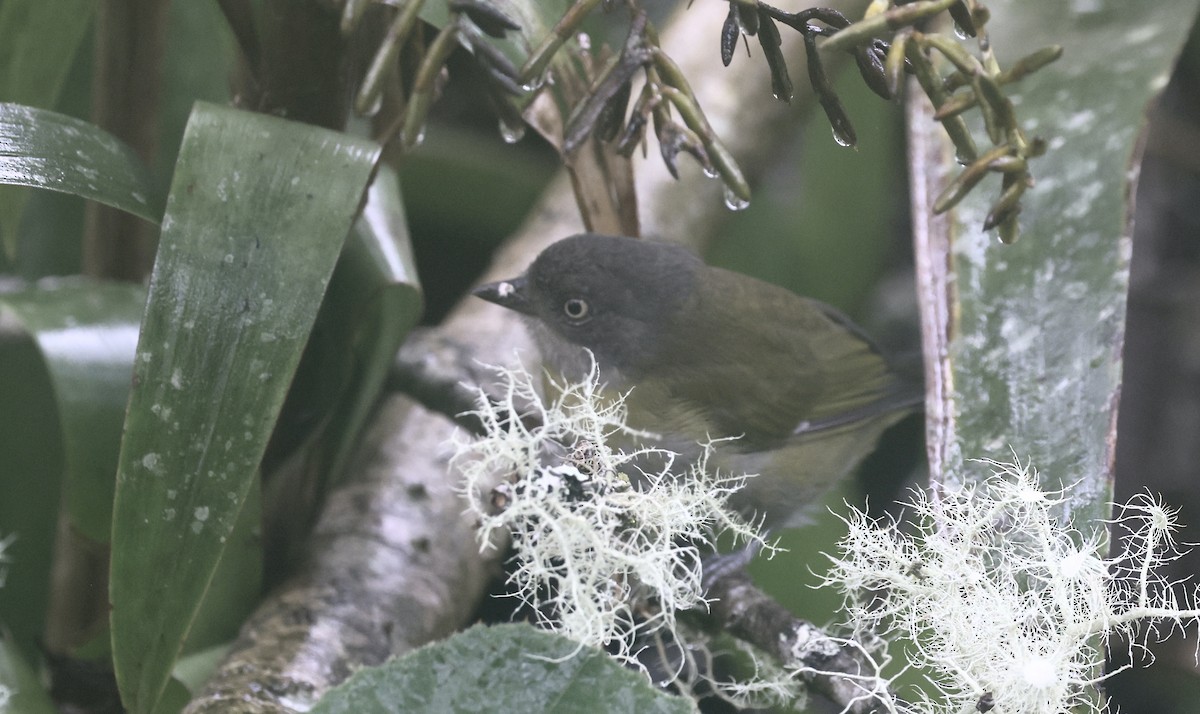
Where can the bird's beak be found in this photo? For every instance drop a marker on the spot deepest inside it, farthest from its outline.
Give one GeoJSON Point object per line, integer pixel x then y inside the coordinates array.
{"type": "Point", "coordinates": [507, 293]}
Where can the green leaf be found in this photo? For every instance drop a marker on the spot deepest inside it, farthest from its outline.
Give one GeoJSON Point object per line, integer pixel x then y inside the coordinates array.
{"type": "Point", "coordinates": [38, 44]}
{"type": "Point", "coordinates": [70, 344]}
{"type": "Point", "coordinates": [20, 690]}
{"type": "Point", "coordinates": [506, 668]}
{"type": "Point", "coordinates": [45, 149]}
{"type": "Point", "coordinates": [67, 349]}
{"type": "Point", "coordinates": [236, 586]}
{"type": "Point", "coordinates": [175, 697]}
{"type": "Point", "coordinates": [258, 211]}
{"type": "Point", "coordinates": [86, 332]}
{"type": "Point", "coordinates": [1031, 333]}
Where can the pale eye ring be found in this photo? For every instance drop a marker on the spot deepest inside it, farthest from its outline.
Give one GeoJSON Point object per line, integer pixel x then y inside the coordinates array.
{"type": "Point", "coordinates": [576, 309]}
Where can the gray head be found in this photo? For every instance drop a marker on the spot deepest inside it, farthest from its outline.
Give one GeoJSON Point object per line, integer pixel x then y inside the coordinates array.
{"type": "Point", "coordinates": [613, 295]}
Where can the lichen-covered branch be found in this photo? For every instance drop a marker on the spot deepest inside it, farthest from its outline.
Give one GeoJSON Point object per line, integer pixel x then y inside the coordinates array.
{"type": "Point", "coordinates": [827, 665]}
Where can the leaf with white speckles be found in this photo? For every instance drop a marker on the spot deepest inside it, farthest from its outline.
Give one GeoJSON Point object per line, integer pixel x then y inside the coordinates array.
{"type": "Point", "coordinates": [258, 211]}
{"type": "Point", "coordinates": [1024, 340]}
{"type": "Point", "coordinates": [45, 149]}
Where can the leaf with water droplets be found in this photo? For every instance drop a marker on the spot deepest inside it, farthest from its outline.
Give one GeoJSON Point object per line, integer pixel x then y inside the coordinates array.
{"type": "Point", "coordinates": [1027, 337]}
{"type": "Point", "coordinates": [258, 211]}
{"type": "Point", "coordinates": [45, 149]}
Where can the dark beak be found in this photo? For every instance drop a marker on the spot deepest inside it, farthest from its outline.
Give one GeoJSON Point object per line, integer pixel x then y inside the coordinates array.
{"type": "Point", "coordinates": [512, 294]}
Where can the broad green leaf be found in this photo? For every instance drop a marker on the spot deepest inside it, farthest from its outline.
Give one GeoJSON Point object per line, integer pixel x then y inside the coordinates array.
{"type": "Point", "coordinates": [1031, 332]}
{"type": "Point", "coordinates": [67, 349]}
{"type": "Point", "coordinates": [71, 343]}
{"type": "Point", "coordinates": [45, 149]}
{"type": "Point", "coordinates": [373, 301]}
{"type": "Point", "coordinates": [175, 697]}
{"type": "Point", "coordinates": [236, 586]}
{"type": "Point", "coordinates": [86, 332]}
{"type": "Point", "coordinates": [38, 43]}
{"type": "Point", "coordinates": [258, 211]}
{"type": "Point", "coordinates": [506, 668]}
{"type": "Point", "coordinates": [20, 690]}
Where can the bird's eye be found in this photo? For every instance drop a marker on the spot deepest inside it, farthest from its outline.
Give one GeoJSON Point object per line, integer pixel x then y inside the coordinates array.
{"type": "Point", "coordinates": [576, 309]}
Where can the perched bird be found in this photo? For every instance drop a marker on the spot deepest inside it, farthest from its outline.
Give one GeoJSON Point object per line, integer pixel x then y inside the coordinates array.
{"type": "Point", "coordinates": [709, 353]}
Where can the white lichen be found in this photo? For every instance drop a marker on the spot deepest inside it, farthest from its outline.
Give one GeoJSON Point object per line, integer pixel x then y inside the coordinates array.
{"type": "Point", "coordinates": [597, 559]}
{"type": "Point", "coordinates": [1000, 601]}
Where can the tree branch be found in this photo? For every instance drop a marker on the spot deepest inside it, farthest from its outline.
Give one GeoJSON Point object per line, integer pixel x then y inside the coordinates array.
{"type": "Point", "coordinates": [835, 671]}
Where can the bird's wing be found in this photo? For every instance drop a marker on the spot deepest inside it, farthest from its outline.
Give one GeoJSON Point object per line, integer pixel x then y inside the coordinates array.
{"type": "Point", "coordinates": [787, 365]}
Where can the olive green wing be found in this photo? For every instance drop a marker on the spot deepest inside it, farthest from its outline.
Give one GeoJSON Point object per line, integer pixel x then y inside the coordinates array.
{"type": "Point", "coordinates": [779, 362]}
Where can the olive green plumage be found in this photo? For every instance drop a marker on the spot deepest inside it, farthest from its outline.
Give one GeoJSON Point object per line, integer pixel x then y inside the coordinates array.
{"type": "Point", "coordinates": [711, 353]}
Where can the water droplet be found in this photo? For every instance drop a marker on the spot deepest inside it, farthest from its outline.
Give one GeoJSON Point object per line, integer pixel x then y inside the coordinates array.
{"type": "Point", "coordinates": [585, 42]}
{"type": "Point", "coordinates": [841, 138]}
{"type": "Point", "coordinates": [734, 202]}
{"type": "Point", "coordinates": [710, 172]}
{"type": "Point", "coordinates": [512, 133]}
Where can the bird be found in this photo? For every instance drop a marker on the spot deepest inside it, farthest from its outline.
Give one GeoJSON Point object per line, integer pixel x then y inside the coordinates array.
{"type": "Point", "coordinates": [703, 353]}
